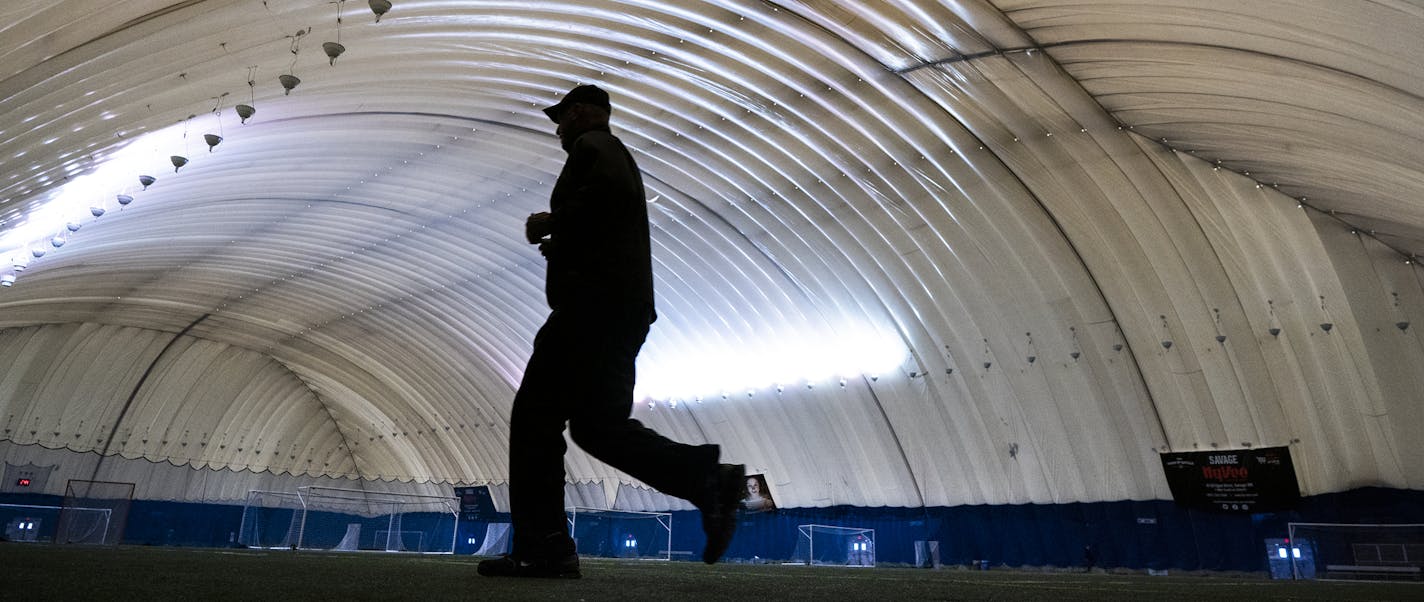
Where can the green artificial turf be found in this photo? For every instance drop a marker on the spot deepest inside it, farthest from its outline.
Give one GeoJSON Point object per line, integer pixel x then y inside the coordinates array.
{"type": "Point", "coordinates": [50, 572]}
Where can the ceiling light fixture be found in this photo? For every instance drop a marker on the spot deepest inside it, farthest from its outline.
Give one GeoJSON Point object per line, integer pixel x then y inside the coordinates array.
{"type": "Point", "coordinates": [216, 139]}
{"type": "Point", "coordinates": [380, 8]}
{"type": "Point", "coordinates": [180, 160]}
{"type": "Point", "coordinates": [64, 207]}
{"type": "Point", "coordinates": [289, 80]}
{"type": "Point", "coordinates": [248, 110]}
{"type": "Point", "coordinates": [334, 49]}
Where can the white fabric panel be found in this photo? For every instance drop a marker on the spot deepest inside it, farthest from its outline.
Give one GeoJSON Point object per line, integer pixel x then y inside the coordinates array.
{"type": "Point", "coordinates": [646, 499]}
{"type": "Point", "coordinates": [1323, 99]}
{"type": "Point", "coordinates": [1298, 269]}
{"type": "Point", "coordinates": [1196, 388]}
{"type": "Point", "coordinates": [585, 494]}
{"type": "Point", "coordinates": [166, 481]}
{"type": "Point", "coordinates": [204, 403]}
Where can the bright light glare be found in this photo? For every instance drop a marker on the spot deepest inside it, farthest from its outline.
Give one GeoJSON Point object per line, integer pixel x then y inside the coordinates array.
{"type": "Point", "coordinates": [725, 367]}
{"type": "Point", "coordinates": [71, 202]}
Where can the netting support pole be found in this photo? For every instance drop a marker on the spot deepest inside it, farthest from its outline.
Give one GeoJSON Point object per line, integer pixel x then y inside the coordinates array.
{"type": "Point", "coordinates": [391, 526]}
{"type": "Point", "coordinates": [243, 525]}
{"type": "Point", "coordinates": [302, 530]}
{"type": "Point", "coordinates": [810, 542]}
{"type": "Point", "coordinates": [1290, 532]}
{"type": "Point", "coordinates": [668, 526]}
{"type": "Point", "coordinates": [455, 534]}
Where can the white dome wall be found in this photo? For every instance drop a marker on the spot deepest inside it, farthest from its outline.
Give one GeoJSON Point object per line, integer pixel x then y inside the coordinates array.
{"type": "Point", "coordinates": [984, 185]}
{"type": "Point", "coordinates": [205, 404]}
{"type": "Point", "coordinates": [1164, 268]}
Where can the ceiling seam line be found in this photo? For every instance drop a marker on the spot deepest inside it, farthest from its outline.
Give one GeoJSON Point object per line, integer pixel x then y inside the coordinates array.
{"type": "Point", "coordinates": [326, 409]}
{"type": "Point", "coordinates": [964, 58]}
{"type": "Point", "coordinates": [146, 18]}
{"type": "Point", "coordinates": [833, 34]}
{"type": "Point", "coordinates": [899, 445]}
{"type": "Point", "coordinates": [109, 441]}
{"type": "Point", "coordinates": [1071, 43]}
{"type": "Point", "coordinates": [29, 78]}
{"type": "Point", "coordinates": [1280, 57]}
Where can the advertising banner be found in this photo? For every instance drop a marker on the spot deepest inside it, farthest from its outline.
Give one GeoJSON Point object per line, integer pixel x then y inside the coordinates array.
{"type": "Point", "coordinates": [475, 503]}
{"type": "Point", "coordinates": [1241, 481]}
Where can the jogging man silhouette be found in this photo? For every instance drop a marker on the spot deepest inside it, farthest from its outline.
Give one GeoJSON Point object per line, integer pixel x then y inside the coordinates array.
{"type": "Point", "coordinates": [599, 287]}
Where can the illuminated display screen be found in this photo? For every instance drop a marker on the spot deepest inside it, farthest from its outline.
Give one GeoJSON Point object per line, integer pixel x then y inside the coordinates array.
{"type": "Point", "coordinates": [23, 482]}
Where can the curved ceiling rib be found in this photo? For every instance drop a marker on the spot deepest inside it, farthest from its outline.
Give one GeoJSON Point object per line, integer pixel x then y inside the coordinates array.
{"type": "Point", "coordinates": [883, 236]}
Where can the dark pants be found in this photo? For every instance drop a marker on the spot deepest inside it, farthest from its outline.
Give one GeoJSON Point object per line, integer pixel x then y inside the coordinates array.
{"type": "Point", "coordinates": [582, 373]}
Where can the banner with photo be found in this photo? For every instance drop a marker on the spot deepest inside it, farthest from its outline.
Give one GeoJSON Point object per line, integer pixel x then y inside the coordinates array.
{"type": "Point", "coordinates": [1241, 481]}
{"type": "Point", "coordinates": [757, 496]}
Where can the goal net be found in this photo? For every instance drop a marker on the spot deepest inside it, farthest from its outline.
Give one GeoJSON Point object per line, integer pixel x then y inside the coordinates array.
{"type": "Point", "coordinates": [93, 512]}
{"type": "Point", "coordinates": [834, 546]}
{"type": "Point", "coordinates": [36, 523]}
{"type": "Point", "coordinates": [621, 533]}
{"type": "Point", "coordinates": [1356, 551]}
{"type": "Point", "coordinates": [328, 518]}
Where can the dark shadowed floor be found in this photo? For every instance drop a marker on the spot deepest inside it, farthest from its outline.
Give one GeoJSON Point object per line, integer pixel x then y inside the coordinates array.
{"type": "Point", "coordinates": [49, 572]}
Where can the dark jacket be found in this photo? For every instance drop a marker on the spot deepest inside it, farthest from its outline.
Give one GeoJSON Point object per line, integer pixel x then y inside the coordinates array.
{"type": "Point", "coordinates": [600, 254]}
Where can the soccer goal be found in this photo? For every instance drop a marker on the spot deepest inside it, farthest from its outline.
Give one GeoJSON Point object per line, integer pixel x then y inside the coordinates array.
{"type": "Point", "coordinates": [825, 545]}
{"type": "Point", "coordinates": [621, 533]}
{"type": "Point", "coordinates": [36, 523]}
{"type": "Point", "coordinates": [1371, 552]}
{"type": "Point", "coordinates": [328, 518]}
{"type": "Point", "coordinates": [93, 512]}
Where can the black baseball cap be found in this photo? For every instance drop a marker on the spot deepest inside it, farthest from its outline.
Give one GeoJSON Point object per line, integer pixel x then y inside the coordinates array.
{"type": "Point", "coordinates": [586, 94]}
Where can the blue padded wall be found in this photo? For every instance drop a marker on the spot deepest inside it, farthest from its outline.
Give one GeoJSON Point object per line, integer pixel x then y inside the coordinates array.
{"type": "Point", "coordinates": [1155, 534]}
